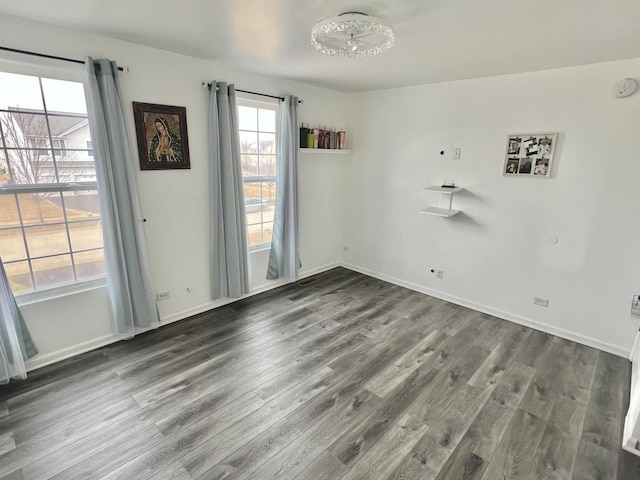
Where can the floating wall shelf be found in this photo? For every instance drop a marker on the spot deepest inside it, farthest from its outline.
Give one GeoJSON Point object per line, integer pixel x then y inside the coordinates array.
{"type": "Point", "coordinates": [332, 151]}
{"type": "Point", "coordinates": [439, 211]}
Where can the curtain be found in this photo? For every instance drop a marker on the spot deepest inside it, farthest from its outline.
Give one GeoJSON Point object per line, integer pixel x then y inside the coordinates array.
{"type": "Point", "coordinates": [15, 342]}
{"type": "Point", "coordinates": [229, 250]}
{"type": "Point", "coordinates": [284, 260]}
{"type": "Point", "coordinates": [128, 278]}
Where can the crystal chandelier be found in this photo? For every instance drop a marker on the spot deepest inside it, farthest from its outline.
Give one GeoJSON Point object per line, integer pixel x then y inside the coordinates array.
{"type": "Point", "coordinates": [352, 34]}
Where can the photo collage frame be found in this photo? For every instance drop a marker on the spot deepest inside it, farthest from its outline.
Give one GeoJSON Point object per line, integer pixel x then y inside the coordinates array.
{"type": "Point", "coordinates": [529, 155]}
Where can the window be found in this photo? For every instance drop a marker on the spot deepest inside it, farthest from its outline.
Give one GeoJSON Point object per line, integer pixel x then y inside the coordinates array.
{"type": "Point", "coordinates": [50, 231]}
{"type": "Point", "coordinates": [258, 139]}
{"type": "Point", "coordinates": [44, 142]}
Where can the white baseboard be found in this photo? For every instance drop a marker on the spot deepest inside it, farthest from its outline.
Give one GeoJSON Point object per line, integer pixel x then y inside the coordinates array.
{"type": "Point", "coordinates": [190, 312]}
{"type": "Point", "coordinates": [40, 361]}
{"type": "Point", "coordinates": [205, 307]}
{"type": "Point", "coordinates": [512, 317]}
{"type": "Point", "coordinates": [316, 271]}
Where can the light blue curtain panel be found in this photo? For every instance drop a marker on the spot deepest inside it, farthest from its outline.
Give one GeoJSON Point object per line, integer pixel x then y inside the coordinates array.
{"type": "Point", "coordinates": [15, 342]}
{"type": "Point", "coordinates": [229, 250]}
{"type": "Point", "coordinates": [127, 263]}
{"type": "Point", "coordinates": [284, 260]}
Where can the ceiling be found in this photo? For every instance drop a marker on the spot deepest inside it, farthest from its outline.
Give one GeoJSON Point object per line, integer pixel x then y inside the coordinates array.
{"type": "Point", "coordinates": [436, 40]}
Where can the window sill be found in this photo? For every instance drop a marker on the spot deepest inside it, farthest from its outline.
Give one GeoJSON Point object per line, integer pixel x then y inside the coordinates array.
{"type": "Point", "coordinates": [58, 292]}
{"type": "Point", "coordinates": [259, 248]}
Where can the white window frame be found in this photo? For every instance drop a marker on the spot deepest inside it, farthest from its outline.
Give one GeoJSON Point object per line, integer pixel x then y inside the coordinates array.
{"type": "Point", "coordinates": [46, 69]}
{"type": "Point", "coordinates": [274, 105]}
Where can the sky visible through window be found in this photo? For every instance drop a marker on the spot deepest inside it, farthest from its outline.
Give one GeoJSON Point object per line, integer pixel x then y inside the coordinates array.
{"type": "Point", "coordinates": [24, 91]}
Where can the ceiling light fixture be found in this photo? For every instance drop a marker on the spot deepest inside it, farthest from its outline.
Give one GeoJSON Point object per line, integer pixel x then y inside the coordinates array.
{"type": "Point", "coordinates": [352, 34]}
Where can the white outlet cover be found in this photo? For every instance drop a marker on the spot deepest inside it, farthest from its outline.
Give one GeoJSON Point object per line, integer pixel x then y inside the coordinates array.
{"type": "Point", "coordinates": [543, 302]}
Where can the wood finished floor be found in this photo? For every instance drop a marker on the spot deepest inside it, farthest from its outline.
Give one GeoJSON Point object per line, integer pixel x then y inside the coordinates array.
{"type": "Point", "coordinates": [346, 378]}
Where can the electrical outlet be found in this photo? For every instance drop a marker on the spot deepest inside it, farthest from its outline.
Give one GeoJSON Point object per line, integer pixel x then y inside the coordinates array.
{"type": "Point", "coordinates": [456, 153]}
{"type": "Point", "coordinates": [543, 302]}
{"type": "Point", "coordinates": [437, 273]}
{"type": "Point", "coordinates": [163, 296]}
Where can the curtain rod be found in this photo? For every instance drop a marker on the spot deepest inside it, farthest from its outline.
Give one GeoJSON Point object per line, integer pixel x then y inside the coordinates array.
{"type": "Point", "coordinates": [208, 85]}
{"type": "Point", "coordinates": [43, 55]}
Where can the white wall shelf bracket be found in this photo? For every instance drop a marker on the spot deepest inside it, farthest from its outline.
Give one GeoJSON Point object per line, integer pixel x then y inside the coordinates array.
{"type": "Point", "coordinates": [446, 192]}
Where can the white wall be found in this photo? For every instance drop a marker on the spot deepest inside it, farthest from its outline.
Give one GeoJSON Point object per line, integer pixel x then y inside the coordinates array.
{"type": "Point", "coordinates": [175, 202]}
{"type": "Point", "coordinates": [496, 255]}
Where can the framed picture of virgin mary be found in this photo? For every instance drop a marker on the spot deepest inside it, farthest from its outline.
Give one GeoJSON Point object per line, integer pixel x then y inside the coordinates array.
{"type": "Point", "coordinates": [161, 131]}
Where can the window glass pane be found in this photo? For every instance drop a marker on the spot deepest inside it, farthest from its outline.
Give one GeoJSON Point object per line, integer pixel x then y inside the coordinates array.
{"type": "Point", "coordinates": [248, 142]}
{"type": "Point", "coordinates": [47, 240]}
{"type": "Point", "coordinates": [4, 169]}
{"type": "Point", "coordinates": [12, 245]}
{"type": "Point", "coordinates": [268, 191]}
{"type": "Point", "coordinates": [247, 118]}
{"type": "Point", "coordinates": [52, 271]}
{"type": "Point", "coordinates": [254, 232]}
{"type": "Point", "coordinates": [251, 190]}
{"type": "Point", "coordinates": [267, 120]}
{"type": "Point", "coordinates": [35, 142]}
{"type": "Point", "coordinates": [267, 142]}
{"type": "Point", "coordinates": [81, 205]}
{"type": "Point", "coordinates": [249, 165]}
{"type": "Point", "coordinates": [19, 276]}
{"type": "Point", "coordinates": [24, 130]}
{"type": "Point", "coordinates": [85, 235]}
{"type": "Point", "coordinates": [72, 168]}
{"type": "Point", "coordinates": [253, 209]}
{"type": "Point", "coordinates": [267, 229]}
{"type": "Point", "coordinates": [29, 166]}
{"type": "Point", "coordinates": [267, 165]}
{"type": "Point", "coordinates": [89, 264]}
{"type": "Point", "coordinates": [20, 90]}
{"type": "Point", "coordinates": [64, 96]}
{"type": "Point", "coordinates": [8, 211]}
{"type": "Point", "coordinates": [38, 208]}
{"type": "Point", "coordinates": [69, 132]}
{"type": "Point", "coordinates": [267, 212]}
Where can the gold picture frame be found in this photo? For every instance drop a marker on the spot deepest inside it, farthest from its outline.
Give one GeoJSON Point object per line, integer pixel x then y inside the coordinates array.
{"type": "Point", "coordinates": [161, 131]}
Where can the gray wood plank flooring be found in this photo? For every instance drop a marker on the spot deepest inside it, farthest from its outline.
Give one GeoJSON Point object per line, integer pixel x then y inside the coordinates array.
{"type": "Point", "coordinates": [347, 377]}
